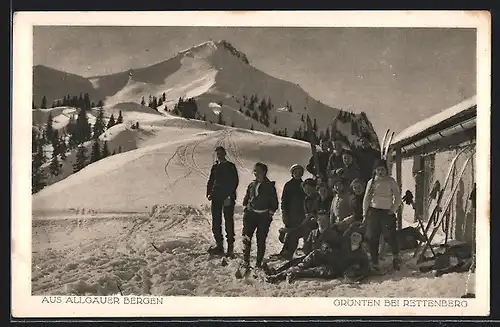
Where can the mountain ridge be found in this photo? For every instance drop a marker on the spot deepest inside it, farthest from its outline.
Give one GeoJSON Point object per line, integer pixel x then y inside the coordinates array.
{"type": "Point", "coordinates": [211, 72]}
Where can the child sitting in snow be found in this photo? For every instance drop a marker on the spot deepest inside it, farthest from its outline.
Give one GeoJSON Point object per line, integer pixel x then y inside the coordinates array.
{"type": "Point", "coordinates": [354, 256]}
{"type": "Point", "coordinates": [322, 250]}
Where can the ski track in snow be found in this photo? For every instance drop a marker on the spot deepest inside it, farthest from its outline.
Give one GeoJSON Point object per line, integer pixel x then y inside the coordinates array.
{"type": "Point", "coordinates": [109, 256]}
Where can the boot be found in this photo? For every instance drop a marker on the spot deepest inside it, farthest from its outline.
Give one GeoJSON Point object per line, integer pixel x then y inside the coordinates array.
{"type": "Point", "coordinates": [230, 250]}
{"type": "Point", "coordinates": [216, 250]}
{"type": "Point", "coordinates": [396, 264]}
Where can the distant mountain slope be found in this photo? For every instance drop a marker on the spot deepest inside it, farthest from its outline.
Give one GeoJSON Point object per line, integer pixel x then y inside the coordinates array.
{"type": "Point", "coordinates": [212, 73]}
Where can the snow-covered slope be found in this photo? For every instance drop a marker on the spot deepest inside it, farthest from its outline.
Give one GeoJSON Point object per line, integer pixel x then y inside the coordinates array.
{"type": "Point", "coordinates": [170, 168]}
{"type": "Point", "coordinates": [212, 72]}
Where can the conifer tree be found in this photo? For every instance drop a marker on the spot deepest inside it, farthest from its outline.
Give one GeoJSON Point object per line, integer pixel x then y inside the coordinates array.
{"type": "Point", "coordinates": [43, 105]}
{"type": "Point", "coordinates": [164, 98]}
{"type": "Point", "coordinates": [232, 124]}
{"type": "Point", "coordinates": [143, 102]}
{"type": "Point", "coordinates": [99, 124]}
{"type": "Point", "coordinates": [33, 105]}
{"type": "Point", "coordinates": [105, 150]}
{"type": "Point", "coordinates": [38, 178]}
{"type": "Point", "coordinates": [251, 127]}
{"type": "Point", "coordinates": [114, 152]}
{"type": "Point", "coordinates": [100, 104]}
{"type": "Point", "coordinates": [81, 158]}
{"type": "Point", "coordinates": [55, 166]}
{"type": "Point", "coordinates": [62, 148]}
{"type": "Point", "coordinates": [95, 154]}
{"type": "Point", "coordinates": [120, 149]}
{"type": "Point", "coordinates": [55, 142]}
{"type": "Point", "coordinates": [48, 129]}
{"type": "Point", "coordinates": [34, 141]}
{"type": "Point", "coordinates": [275, 120]}
{"type": "Point", "coordinates": [111, 122]}
{"type": "Point", "coordinates": [119, 120]}
{"type": "Point", "coordinates": [220, 121]}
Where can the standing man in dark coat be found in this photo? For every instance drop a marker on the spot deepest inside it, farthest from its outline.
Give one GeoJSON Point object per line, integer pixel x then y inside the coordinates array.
{"type": "Point", "coordinates": [323, 156]}
{"type": "Point", "coordinates": [221, 190]}
{"type": "Point", "coordinates": [366, 156]}
{"type": "Point", "coordinates": [292, 208]}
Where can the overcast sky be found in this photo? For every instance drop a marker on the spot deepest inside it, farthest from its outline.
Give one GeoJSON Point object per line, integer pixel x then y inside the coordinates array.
{"type": "Point", "coordinates": [397, 76]}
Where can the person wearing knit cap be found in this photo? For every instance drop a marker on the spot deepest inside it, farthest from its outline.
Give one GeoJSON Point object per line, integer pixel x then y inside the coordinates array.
{"type": "Point", "coordinates": [292, 209]}
{"type": "Point", "coordinates": [381, 200]}
{"type": "Point", "coordinates": [293, 235]}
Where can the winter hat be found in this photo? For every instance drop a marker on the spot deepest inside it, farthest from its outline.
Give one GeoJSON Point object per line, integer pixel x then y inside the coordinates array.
{"type": "Point", "coordinates": [296, 166]}
{"type": "Point", "coordinates": [357, 180]}
{"type": "Point", "coordinates": [310, 182]}
{"type": "Point", "coordinates": [380, 163]}
{"type": "Point", "coordinates": [336, 178]}
{"type": "Point", "coordinates": [349, 152]}
{"type": "Point", "coordinates": [220, 148]}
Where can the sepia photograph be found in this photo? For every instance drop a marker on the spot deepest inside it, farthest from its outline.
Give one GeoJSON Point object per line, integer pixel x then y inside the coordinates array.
{"type": "Point", "coordinates": [245, 159]}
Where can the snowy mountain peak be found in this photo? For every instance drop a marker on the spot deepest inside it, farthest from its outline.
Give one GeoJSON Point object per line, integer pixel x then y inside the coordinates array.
{"type": "Point", "coordinates": [235, 52]}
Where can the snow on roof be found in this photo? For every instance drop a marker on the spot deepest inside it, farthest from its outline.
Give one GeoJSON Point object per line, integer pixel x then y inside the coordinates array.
{"type": "Point", "coordinates": [427, 123]}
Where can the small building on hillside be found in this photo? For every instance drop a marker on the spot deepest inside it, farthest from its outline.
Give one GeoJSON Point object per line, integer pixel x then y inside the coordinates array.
{"type": "Point", "coordinates": [421, 156]}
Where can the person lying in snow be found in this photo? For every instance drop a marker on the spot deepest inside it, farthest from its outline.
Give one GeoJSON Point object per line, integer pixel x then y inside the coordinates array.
{"type": "Point", "coordinates": [332, 256]}
{"type": "Point", "coordinates": [322, 247]}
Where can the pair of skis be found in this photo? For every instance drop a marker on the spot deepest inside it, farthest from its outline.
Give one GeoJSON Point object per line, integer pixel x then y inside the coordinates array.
{"type": "Point", "coordinates": [386, 144]}
{"type": "Point", "coordinates": [435, 215]}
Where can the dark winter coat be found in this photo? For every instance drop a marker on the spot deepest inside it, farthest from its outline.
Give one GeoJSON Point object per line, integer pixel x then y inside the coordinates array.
{"type": "Point", "coordinates": [292, 203]}
{"type": "Point", "coordinates": [261, 196]}
{"type": "Point", "coordinates": [357, 205]}
{"type": "Point", "coordinates": [310, 204]}
{"type": "Point", "coordinates": [350, 173]}
{"type": "Point", "coordinates": [335, 162]}
{"type": "Point", "coordinates": [356, 263]}
{"type": "Point", "coordinates": [223, 181]}
{"type": "Point", "coordinates": [323, 204]}
{"type": "Point", "coordinates": [366, 160]}
{"type": "Point", "coordinates": [323, 164]}
{"type": "Point", "coordinates": [328, 241]}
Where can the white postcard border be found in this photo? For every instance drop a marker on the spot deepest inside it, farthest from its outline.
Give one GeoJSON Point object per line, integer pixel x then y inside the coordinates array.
{"type": "Point", "coordinates": [26, 305]}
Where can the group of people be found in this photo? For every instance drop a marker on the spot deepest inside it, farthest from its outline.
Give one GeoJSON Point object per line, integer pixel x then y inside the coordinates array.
{"type": "Point", "coordinates": [346, 208]}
